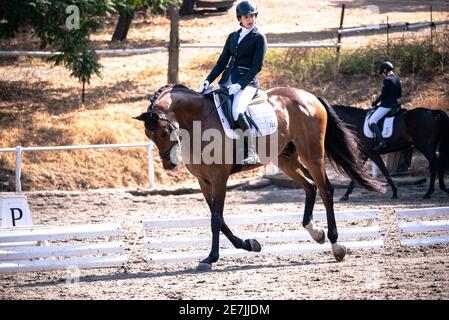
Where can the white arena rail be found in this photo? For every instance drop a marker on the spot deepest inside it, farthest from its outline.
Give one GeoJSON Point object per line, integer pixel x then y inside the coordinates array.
{"type": "Point", "coordinates": [421, 227]}
{"type": "Point", "coordinates": [290, 238]}
{"type": "Point", "coordinates": [63, 247]}
{"type": "Point", "coordinates": [19, 149]}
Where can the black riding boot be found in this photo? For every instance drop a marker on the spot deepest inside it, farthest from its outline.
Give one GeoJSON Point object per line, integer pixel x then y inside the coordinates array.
{"type": "Point", "coordinates": [379, 139]}
{"type": "Point", "coordinates": [249, 154]}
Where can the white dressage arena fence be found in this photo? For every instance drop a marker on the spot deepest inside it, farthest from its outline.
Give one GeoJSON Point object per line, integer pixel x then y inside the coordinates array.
{"type": "Point", "coordinates": [18, 150]}
{"type": "Point", "coordinates": [79, 246]}
{"type": "Point", "coordinates": [422, 227]}
{"type": "Point", "coordinates": [189, 239]}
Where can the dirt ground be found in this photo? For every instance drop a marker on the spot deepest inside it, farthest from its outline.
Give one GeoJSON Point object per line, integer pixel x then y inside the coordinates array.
{"type": "Point", "coordinates": [393, 272]}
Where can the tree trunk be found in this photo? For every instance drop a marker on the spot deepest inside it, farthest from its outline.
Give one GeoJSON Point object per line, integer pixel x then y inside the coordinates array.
{"type": "Point", "coordinates": [173, 48]}
{"type": "Point", "coordinates": [123, 24]}
{"type": "Point", "coordinates": [83, 91]}
{"type": "Point", "coordinates": [186, 7]}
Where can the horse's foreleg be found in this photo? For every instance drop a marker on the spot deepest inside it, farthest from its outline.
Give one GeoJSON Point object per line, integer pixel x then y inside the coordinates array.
{"type": "Point", "coordinates": [377, 159]}
{"type": "Point", "coordinates": [351, 184]}
{"type": "Point", "coordinates": [248, 244]}
{"type": "Point", "coordinates": [349, 190]}
{"type": "Point", "coordinates": [215, 196]}
{"type": "Point", "coordinates": [295, 170]}
{"type": "Point", "coordinates": [214, 193]}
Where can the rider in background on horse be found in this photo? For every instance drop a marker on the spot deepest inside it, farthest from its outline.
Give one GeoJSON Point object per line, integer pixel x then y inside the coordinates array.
{"type": "Point", "coordinates": [241, 60]}
{"type": "Point", "coordinates": [388, 99]}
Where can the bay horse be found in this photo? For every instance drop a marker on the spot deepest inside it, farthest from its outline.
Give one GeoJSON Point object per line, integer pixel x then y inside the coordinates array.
{"type": "Point", "coordinates": [306, 130]}
{"type": "Point", "coordinates": [424, 129]}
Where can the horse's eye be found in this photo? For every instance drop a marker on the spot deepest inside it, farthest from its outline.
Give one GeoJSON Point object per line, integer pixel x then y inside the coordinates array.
{"type": "Point", "coordinates": [164, 134]}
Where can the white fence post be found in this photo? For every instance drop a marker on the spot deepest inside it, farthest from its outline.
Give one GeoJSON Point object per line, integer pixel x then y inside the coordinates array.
{"type": "Point", "coordinates": [18, 168]}
{"type": "Point", "coordinates": [150, 166]}
{"type": "Point", "coordinates": [374, 170]}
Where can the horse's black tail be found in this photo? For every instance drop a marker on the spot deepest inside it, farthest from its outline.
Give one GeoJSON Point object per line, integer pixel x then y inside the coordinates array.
{"type": "Point", "coordinates": [443, 123]}
{"type": "Point", "coordinates": [341, 149]}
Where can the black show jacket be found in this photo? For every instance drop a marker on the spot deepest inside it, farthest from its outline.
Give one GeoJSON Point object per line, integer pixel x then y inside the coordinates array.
{"type": "Point", "coordinates": [241, 61]}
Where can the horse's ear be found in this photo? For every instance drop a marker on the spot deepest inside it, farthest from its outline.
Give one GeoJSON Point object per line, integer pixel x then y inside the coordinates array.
{"type": "Point", "coordinates": [147, 116]}
{"type": "Point", "coordinates": [142, 117]}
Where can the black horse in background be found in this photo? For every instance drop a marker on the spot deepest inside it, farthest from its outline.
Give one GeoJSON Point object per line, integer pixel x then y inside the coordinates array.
{"type": "Point", "coordinates": [424, 129]}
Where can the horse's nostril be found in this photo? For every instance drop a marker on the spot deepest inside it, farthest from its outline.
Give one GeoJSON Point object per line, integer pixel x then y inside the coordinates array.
{"type": "Point", "coordinates": [172, 165]}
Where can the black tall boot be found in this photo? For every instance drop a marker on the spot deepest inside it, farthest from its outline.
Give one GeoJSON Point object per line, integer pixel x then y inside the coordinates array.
{"type": "Point", "coordinates": [379, 139]}
{"type": "Point", "coordinates": [249, 154]}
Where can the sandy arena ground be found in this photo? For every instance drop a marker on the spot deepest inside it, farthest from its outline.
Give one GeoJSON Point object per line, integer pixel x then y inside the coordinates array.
{"type": "Point", "coordinates": [392, 272]}
{"type": "Point", "coordinates": [389, 273]}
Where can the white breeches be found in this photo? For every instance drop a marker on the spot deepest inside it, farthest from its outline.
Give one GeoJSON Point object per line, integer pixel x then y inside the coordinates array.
{"type": "Point", "coordinates": [378, 114]}
{"type": "Point", "coordinates": [241, 101]}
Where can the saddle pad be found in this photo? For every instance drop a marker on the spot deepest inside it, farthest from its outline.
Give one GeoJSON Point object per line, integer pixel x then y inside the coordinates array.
{"type": "Point", "coordinates": [387, 129]}
{"type": "Point", "coordinates": [262, 114]}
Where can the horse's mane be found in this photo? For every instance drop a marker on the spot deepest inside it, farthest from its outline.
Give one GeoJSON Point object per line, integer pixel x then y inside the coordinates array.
{"type": "Point", "coordinates": [162, 89]}
{"type": "Point", "coordinates": [348, 108]}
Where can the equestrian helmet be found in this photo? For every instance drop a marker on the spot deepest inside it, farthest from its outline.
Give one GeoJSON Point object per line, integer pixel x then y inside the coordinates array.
{"type": "Point", "coordinates": [244, 8]}
{"type": "Point", "coordinates": [385, 67]}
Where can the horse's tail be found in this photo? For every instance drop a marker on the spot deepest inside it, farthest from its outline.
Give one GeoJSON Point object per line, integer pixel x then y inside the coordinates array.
{"type": "Point", "coordinates": [341, 149]}
{"type": "Point", "coordinates": [443, 123]}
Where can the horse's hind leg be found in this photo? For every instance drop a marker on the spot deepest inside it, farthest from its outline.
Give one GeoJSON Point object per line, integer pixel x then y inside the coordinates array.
{"type": "Point", "coordinates": [433, 164]}
{"type": "Point", "coordinates": [441, 167]}
{"type": "Point", "coordinates": [291, 166]}
{"type": "Point", "coordinates": [317, 170]}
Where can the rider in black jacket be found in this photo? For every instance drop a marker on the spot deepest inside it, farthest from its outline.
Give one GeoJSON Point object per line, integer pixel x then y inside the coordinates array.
{"type": "Point", "coordinates": [240, 62]}
{"type": "Point", "coordinates": [388, 99]}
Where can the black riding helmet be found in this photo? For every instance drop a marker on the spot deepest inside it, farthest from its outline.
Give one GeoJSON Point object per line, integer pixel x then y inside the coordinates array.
{"type": "Point", "coordinates": [244, 8]}
{"type": "Point", "coordinates": [385, 67]}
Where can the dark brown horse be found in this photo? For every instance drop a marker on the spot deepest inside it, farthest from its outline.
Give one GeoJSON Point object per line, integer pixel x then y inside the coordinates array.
{"type": "Point", "coordinates": [424, 129]}
{"type": "Point", "coordinates": [306, 130]}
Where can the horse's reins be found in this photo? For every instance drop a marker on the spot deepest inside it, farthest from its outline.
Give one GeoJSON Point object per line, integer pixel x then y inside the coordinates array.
{"type": "Point", "coordinates": [219, 106]}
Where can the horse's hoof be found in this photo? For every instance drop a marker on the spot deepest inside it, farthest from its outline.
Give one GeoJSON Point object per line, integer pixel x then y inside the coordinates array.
{"type": "Point", "coordinates": [344, 198]}
{"type": "Point", "coordinates": [321, 237]}
{"type": "Point", "coordinates": [426, 196]}
{"type": "Point", "coordinates": [394, 196]}
{"type": "Point", "coordinates": [202, 266]}
{"type": "Point", "coordinates": [255, 245]}
{"type": "Point", "coordinates": [339, 251]}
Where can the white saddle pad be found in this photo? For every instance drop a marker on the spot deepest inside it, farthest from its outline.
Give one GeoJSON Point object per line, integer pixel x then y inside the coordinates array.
{"type": "Point", "coordinates": [262, 114]}
{"type": "Point", "coordinates": [387, 130]}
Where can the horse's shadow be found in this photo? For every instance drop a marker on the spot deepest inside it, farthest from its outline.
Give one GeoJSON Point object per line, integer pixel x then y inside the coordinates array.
{"type": "Point", "coordinates": [126, 275]}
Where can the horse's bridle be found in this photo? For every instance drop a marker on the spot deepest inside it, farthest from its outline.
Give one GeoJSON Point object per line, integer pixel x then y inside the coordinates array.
{"type": "Point", "coordinates": [166, 154]}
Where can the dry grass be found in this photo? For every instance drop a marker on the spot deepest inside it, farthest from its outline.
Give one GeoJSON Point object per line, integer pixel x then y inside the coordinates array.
{"type": "Point", "coordinates": [40, 103]}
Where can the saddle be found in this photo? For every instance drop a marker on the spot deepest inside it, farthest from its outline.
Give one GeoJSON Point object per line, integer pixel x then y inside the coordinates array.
{"type": "Point", "coordinates": [260, 113]}
{"type": "Point", "coordinates": [385, 124]}
{"type": "Point", "coordinates": [224, 100]}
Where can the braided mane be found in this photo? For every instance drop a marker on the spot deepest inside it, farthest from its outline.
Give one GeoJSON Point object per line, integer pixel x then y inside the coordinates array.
{"type": "Point", "coordinates": [162, 89]}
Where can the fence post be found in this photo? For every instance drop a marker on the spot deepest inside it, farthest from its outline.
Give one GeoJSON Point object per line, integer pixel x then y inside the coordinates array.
{"type": "Point", "coordinates": [18, 168]}
{"type": "Point", "coordinates": [388, 36]}
{"type": "Point", "coordinates": [150, 166]}
{"type": "Point", "coordinates": [431, 27]}
{"type": "Point", "coordinates": [339, 33]}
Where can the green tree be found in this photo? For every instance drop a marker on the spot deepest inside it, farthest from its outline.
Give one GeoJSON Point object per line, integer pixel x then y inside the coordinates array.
{"type": "Point", "coordinates": [62, 29]}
